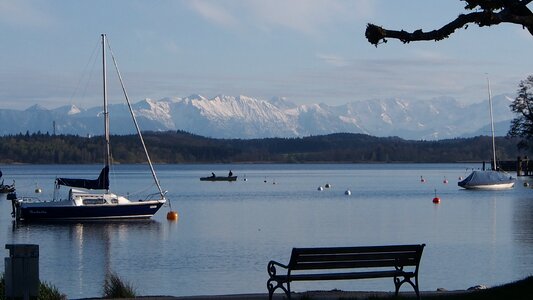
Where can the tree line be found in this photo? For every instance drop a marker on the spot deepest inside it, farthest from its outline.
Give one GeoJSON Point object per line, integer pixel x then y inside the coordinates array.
{"type": "Point", "coordinates": [182, 147]}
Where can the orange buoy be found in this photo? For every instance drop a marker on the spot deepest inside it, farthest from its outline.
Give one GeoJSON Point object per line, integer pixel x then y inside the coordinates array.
{"type": "Point", "coordinates": [172, 215]}
{"type": "Point", "coordinates": [436, 199]}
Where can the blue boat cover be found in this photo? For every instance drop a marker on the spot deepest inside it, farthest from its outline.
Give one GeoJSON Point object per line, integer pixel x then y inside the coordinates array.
{"type": "Point", "coordinates": [486, 178]}
{"type": "Point", "coordinates": [101, 183]}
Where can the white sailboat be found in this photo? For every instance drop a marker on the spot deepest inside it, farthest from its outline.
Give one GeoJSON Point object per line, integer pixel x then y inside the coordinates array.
{"type": "Point", "coordinates": [91, 199]}
{"type": "Point", "coordinates": [488, 179]}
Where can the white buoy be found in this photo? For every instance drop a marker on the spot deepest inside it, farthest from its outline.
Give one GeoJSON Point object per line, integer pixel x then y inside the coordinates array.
{"type": "Point", "coordinates": [320, 188]}
{"type": "Point", "coordinates": [348, 193]}
{"type": "Point", "coordinates": [328, 185]}
{"type": "Point", "coordinates": [37, 190]}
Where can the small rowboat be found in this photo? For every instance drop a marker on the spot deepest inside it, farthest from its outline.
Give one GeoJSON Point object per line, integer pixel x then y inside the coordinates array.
{"type": "Point", "coordinates": [219, 178]}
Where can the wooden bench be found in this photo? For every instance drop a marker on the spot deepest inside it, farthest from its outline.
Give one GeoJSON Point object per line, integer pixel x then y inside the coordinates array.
{"type": "Point", "coordinates": [399, 262]}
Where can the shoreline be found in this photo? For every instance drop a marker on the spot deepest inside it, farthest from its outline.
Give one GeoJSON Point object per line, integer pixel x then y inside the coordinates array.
{"type": "Point", "coordinates": [315, 295]}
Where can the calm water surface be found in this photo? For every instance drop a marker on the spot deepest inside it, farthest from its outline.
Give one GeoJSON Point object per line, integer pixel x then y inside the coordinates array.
{"type": "Point", "coordinates": [227, 232]}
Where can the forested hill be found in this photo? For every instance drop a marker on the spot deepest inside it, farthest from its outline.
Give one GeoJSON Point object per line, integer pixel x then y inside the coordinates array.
{"type": "Point", "coordinates": [181, 147]}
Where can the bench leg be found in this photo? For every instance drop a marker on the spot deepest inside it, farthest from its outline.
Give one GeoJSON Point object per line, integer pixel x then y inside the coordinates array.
{"type": "Point", "coordinates": [279, 284]}
{"type": "Point", "coordinates": [398, 283]}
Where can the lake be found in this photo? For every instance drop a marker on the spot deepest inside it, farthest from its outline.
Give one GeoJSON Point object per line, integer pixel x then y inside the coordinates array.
{"type": "Point", "coordinates": [228, 231]}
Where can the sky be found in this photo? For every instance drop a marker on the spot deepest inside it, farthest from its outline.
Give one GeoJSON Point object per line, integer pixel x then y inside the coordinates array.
{"type": "Point", "coordinates": [308, 51]}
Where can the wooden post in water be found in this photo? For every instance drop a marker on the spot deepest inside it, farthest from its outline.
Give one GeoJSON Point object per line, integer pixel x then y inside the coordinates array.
{"type": "Point", "coordinates": [522, 166]}
{"type": "Point", "coordinates": [525, 166]}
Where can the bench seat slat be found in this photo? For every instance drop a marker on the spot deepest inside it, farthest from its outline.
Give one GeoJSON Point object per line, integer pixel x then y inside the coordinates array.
{"type": "Point", "coordinates": [342, 276]}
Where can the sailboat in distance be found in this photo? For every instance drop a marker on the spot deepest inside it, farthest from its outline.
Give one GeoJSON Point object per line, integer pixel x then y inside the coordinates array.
{"type": "Point", "coordinates": [91, 199]}
{"type": "Point", "coordinates": [493, 179]}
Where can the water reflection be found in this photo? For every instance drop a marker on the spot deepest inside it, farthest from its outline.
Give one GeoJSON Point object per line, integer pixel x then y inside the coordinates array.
{"type": "Point", "coordinates": [523, 221]}
{"type": "Point", "coordinates": [78, 255]}
{"type": "Point", "coordinates": [523, 233]}
{"type": "Point", "coordinates": [228, 232]}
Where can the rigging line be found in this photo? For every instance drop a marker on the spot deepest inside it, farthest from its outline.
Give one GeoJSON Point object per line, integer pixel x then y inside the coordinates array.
{"type": "Point", "coordinates": [143, 190]}
{"type": "Point", "coordinates": [86, 75]}
{"type": "Point", "coordinates": [135, 122]}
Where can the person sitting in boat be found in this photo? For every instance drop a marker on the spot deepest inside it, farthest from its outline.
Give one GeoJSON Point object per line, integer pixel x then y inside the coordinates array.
{"type": "Point", "coordinates": [230, 173]}
{"type": "Point", "coordinates": [213, 175]}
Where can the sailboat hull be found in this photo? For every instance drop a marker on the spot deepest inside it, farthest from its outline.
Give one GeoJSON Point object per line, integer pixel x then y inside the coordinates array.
{"type": "Point", "coordinates": [135, 210]}
{"type": "Point", "coordinates": [493, 187]}
{"type": "Point", "coordinates": [487, 180]}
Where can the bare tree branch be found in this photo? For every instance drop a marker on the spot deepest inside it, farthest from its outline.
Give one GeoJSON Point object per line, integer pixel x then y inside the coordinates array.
{"type": "Point", "coordinates": [509, 11]}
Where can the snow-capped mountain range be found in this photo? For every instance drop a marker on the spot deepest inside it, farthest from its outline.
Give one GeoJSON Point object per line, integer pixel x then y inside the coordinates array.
{"type": "Point", "coordinates": [246, 117]}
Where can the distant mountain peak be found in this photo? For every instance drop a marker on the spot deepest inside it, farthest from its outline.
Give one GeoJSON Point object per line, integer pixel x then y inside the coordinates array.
{"type": "Point", "coordinates": [36, 107]}
{"type": "Point", "coordinates": [69, 110]}
{"type": "Point", "coordinates": [73, 110]}
{"type": "Point", "coordinates": [242, 116]}
{"type": "Point", "coordinates": [196, 97]}
{"type": "Point", "coordinates": [282, 103]}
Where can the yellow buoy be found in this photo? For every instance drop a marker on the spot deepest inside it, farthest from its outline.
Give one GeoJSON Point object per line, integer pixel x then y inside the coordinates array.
{"type": "Point", "coordinates": [172, 215]}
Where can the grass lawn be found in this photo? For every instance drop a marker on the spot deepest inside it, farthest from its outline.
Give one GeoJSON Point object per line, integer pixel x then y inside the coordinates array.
{"type": "Point", "coordinates": [522, 289]}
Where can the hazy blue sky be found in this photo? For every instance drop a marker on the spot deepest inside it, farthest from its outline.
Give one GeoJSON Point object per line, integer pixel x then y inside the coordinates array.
{"type": "Point", "coordinates": [309, 51]}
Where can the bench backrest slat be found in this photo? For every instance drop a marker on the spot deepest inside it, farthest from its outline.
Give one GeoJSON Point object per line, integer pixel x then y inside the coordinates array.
{"type": "Point", "coordinates": [355, 257]}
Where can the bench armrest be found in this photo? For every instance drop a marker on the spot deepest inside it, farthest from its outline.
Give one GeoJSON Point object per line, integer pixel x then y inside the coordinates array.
{"type": "Point", "coordinates": [271, 267]}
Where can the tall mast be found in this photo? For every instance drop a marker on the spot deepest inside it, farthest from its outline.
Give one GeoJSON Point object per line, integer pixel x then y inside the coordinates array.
{"type": "Point", "coordinates": [492, 128]}
{"type": "Point", "coordinates": [106, 112]}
